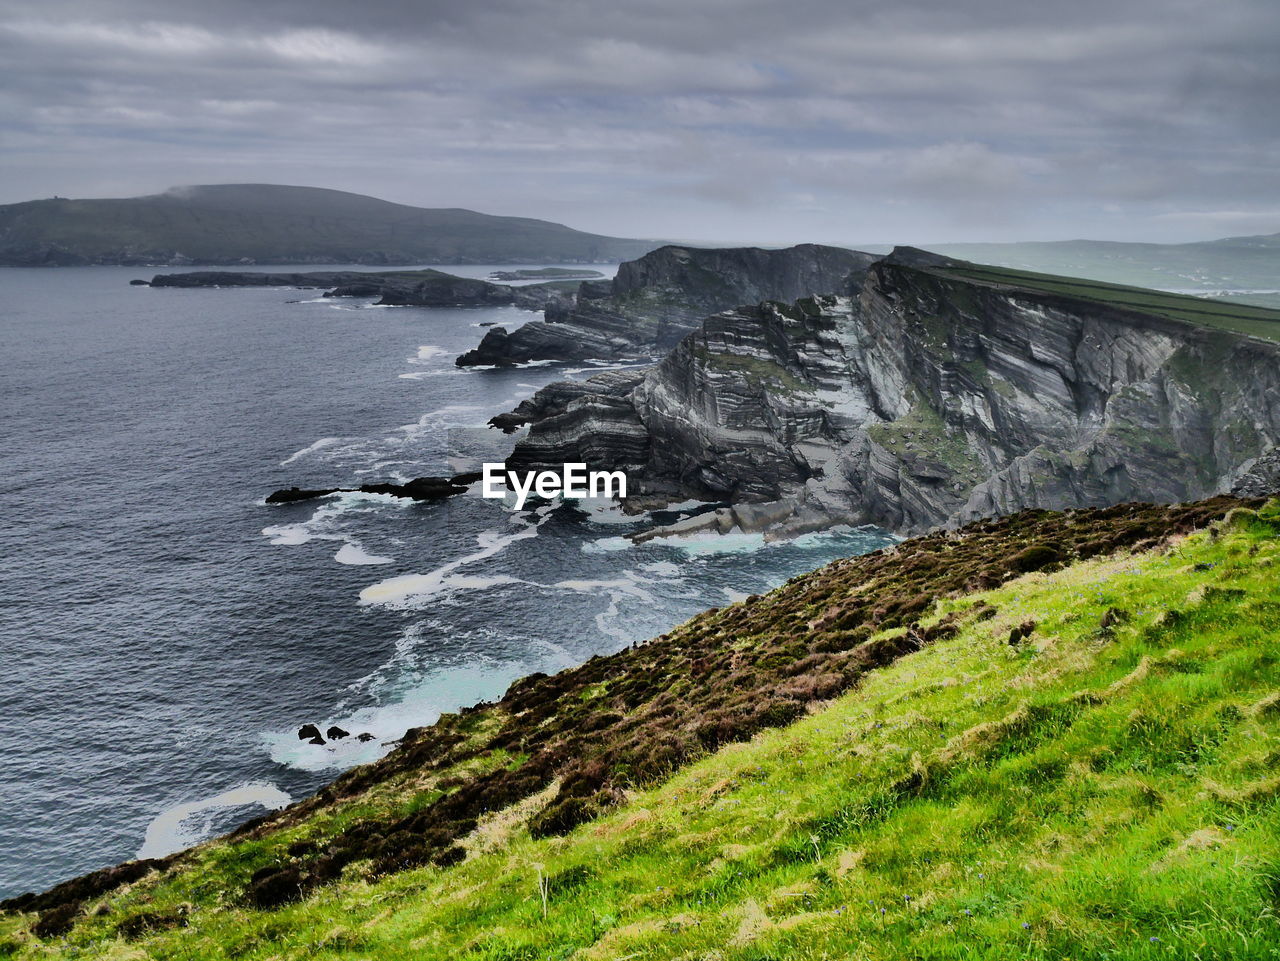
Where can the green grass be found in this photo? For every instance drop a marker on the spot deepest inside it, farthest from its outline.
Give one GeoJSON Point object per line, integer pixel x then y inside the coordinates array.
{"type": "Point", "coordinates": [759, 372]}
{"type": "Point", "coordinates": [921, 436]}
{"type": "Point", "coordinates": [1217, 314]}
{"type": "Point", "coordinates": [1106, 788]}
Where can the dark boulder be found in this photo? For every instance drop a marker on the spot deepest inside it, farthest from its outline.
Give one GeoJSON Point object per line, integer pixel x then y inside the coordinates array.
{"type": "Point", "coordinates": [307, 732]}
{"type": "Point", "coordinates": [336, 733]}
{"type": "Point", "coordinates": [291, 494]}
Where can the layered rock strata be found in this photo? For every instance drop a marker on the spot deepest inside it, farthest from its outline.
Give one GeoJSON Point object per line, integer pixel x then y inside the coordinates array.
{"type": "Point", "coordinates": [926, 398]}
{"type": "Point", "coordinates": [656, 300]}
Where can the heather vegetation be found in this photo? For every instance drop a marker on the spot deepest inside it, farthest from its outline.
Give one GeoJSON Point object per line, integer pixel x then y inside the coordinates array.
{"type": "Point", "coordinates": [1049, 735]}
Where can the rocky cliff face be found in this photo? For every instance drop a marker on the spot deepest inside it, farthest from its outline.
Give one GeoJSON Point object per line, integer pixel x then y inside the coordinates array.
{"type": "Point", "coordinates": [925, 398]}
{"type": "Point", "coordinates": [655, 300]}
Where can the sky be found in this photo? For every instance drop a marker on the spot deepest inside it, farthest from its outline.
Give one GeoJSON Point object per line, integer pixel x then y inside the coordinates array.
{"type": "Point", "coordinates": [832, 121]}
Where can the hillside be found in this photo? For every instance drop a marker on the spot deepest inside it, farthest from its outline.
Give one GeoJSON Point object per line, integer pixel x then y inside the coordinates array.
{"type": "Point", "coordinates": [1232, 263]}
{"type": "Point", "coordinates": [1050, 735]}
{"type": "Point", "coordinates": [265, 223]}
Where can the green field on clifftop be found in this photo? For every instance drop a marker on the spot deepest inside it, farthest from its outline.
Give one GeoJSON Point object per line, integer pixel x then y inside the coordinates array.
{"type": "Point", "coordinates": [1083, 765]}
{"type": "Point", "coordinates": [1219, 314]}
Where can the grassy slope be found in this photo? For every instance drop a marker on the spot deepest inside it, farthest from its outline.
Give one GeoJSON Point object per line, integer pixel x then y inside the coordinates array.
{"type": "Point", "coordinates": [1104, 788]}
{"type": "Point", "coordinates": [1241, 318]}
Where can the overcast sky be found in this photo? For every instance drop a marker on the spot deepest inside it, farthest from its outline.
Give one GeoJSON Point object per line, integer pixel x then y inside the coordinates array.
{"type": "Point", "coordinates": [779, 121]}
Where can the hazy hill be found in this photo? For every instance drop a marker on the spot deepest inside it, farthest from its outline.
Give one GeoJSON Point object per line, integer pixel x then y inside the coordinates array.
{"type": "Point", "coordinates": [266, 223]}
{"type": "Point", "coordinates": [1233, 263]}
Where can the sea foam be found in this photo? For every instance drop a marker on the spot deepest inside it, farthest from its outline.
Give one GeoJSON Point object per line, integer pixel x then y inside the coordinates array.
{"type": "Point", "coordinates": [172, 829]}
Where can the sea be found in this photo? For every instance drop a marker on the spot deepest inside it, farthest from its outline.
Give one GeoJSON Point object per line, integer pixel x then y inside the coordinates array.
{"type": "Point", "coordinates": [164, 632]}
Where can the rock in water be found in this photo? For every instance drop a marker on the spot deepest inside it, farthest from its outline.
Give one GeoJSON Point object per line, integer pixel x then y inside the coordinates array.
{"type": "Point", "coordinates": [420, 489]}
{"type": "Point", "coordinates": [336, 733]}
{"type": "Point", "coordinates": [399, 288]}
{"type": "Point", "coordinates": [308, 731]}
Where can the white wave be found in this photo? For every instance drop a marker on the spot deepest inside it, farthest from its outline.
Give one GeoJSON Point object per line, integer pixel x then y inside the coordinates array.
{"type": "Point", "coordinates": [353, 553]}
{"type": "Point", "coordinates": [598, 366]}
{"type": "Point", "coordinates": [426, 374]}
{"type": "Point", "coordinates": [700, 545]}
{"type": "Point", "coordinates": [605, 510]}
{"type": "Point", "coordinates": [410, 589]}
{"type": "Point", "coordinates": [607, 545]}
{"type": "Point", "coordinates": [734, 596]}
{"type": "Point", "coordinates": [608, 620]}
{"type": "Point", "coordinates": [419, 701]}
{"type": "Point", "coordinates": [288, 535]}
{"type": "Point", "coordinates": [325, 524]}
{"type": "Point", "coordinates": [426, 353]}
{"type": "Point", "coordinates": [172, 829]}
{"type": "Point", "coordinates": [663, 568]}
{"type": "Point", "coordinates": [322, 443]}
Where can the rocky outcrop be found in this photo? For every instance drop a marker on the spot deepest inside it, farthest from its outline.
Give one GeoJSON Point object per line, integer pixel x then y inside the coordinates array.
{"type": "Point", "coordinates": [415, 288]}
{"type": "Point", "coordinates": [1260, 478]}
{"type": "Point", "coordinates": [927, 398]}
{"type": "Point", "coordinates": [419, 489]}
{"type": "Point", "coordinates": [657, 299]}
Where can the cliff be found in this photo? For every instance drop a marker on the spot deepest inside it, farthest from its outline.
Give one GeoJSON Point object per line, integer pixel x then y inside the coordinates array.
{"type": "Point", "coordinates": [940, 392]}
{"type": "Point", "coordinates": [657, 299]}
{"type": "Point", "coordinates": [273, 224]}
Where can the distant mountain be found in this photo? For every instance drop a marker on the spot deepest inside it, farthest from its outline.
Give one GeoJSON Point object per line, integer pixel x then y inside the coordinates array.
{"type": "Point", "coordinates": [1234, 263]}
{"type": "Point", "coordinates": [266, 223]}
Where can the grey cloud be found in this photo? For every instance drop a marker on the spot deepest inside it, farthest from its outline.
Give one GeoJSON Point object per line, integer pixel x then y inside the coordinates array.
{"type": "Point", "coordinates": [728, 119]}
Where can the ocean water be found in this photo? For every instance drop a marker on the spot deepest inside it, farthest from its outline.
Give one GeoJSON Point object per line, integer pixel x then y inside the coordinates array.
{"type": "Point", "coordinates": [163, 632]}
